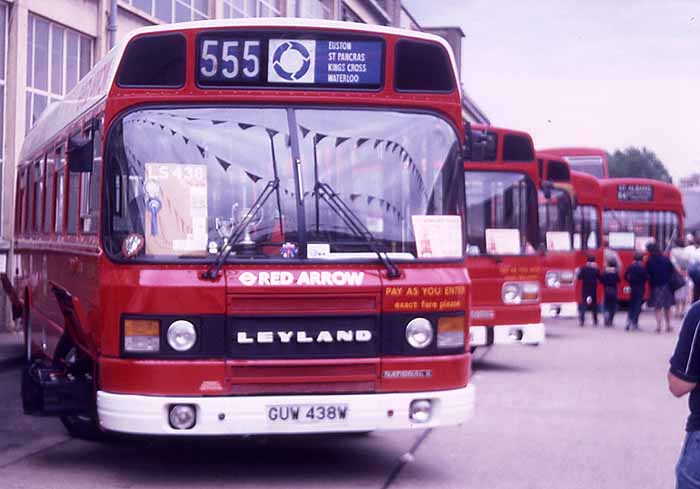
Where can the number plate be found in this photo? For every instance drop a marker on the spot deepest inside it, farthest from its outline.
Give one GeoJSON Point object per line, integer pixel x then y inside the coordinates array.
{"type": "Point", "coordinates": [306, 413]}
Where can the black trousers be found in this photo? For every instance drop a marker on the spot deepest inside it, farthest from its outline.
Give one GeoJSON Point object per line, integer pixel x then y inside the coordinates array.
{"type": "Point", "coordinates": [584, 306]}
{"type": "Point", "coordinates": [610, 306]}
{"type": "Point", "coordinates": [635, 307]}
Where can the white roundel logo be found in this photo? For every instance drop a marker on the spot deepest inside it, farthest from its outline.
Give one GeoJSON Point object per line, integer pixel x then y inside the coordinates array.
{"type": "Point", "coordinates": [248, 279]}
{"type": "Point", "coordinates": [291, 61]}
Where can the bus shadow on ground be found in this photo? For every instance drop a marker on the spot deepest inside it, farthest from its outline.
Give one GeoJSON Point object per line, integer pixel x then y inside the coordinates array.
{"type": "Point", "coordinates": [485, 365]}
{"type": "Point", "coordinates": [285, 460]}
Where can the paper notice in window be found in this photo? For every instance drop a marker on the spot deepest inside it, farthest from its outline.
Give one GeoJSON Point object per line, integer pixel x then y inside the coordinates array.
{"type": "Point", "coordinates": [559, 240]}
{"type": "Point", "coordinates": [502, 241]}
{"type": "Point", "coordinates": [176, 209]}
{"type": "Point", "coordinates": [438, 236]}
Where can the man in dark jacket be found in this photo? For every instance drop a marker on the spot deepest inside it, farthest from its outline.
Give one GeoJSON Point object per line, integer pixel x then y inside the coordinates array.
{"type": "Point", "coordinates": [589, 276]}
{"type": "Point", "coordinates": [636, 275]}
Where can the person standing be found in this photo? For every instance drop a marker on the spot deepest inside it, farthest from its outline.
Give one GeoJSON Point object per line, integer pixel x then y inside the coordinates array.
{"type": "Point", "coordinates": [679, 258]}
{"type": "Point", "coordinates": [660, 268]}
{"type": "Point", "coordinates": [635, 275]}
{"type": "Point", "coordinates": [610, 278]}
{"type": "Point", "coordinates": [683, 377]}
{"type": "Point", "coordinates": [589, 277]}
{"type": "Point", "coordinates": [694, 266]}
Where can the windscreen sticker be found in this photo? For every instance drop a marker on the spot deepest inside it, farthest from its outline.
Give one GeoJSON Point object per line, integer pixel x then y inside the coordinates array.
{"type": "Point", "coordinates": [438, 236]}
{"type": "Point", "coordinates": [176, 208]}
{"type": "Point", "coordinates": [502, 241]}
{"type": "Point", "coordinates": [621, 240]}
{"type": "Point", "coordinates": [558, 240]}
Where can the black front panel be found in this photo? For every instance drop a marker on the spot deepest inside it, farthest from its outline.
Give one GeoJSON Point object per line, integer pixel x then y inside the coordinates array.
{"type": "Point", "coordinates": [303, 337]}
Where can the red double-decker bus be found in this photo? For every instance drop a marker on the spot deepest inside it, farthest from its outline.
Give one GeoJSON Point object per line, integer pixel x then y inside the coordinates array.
{"type": "Point", "coordinates": [244, 227]}
{"type": "Point", "coordinates": [556, 224]}
{"type": "Point", "coordinates": [593, 161]}
{"type": "Point", "coordinates": [501, 183]}
{"type": "Point", "coordinates": [588, 223]}
{"type": "Point", "coordinates": [637, 211]}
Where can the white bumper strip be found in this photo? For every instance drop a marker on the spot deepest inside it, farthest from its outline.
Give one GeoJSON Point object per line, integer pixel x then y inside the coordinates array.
{"type": "Point", "coordinates": [509, 334]}
{"type": "Point", "coordinates": [249, 415]}
{"type": "Point", "coordinates": [559, 309]}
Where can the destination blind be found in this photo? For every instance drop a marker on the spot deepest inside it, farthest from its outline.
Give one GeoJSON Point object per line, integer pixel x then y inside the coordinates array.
{"type": "Point", "coordinates": [230, 60]}
{"type": "Point", "coordinates": [634, 192]}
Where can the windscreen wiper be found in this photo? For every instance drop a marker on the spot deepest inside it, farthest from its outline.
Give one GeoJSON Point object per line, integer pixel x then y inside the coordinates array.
{"type": "Point", "coordinates": [239, 230]}
{"type": "Point", "coordinates": [355, 224]}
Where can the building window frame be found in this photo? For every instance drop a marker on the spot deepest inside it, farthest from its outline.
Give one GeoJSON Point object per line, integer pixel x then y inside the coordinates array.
{"type": "Point", "coordinates": [68, 79]}
{"type": "Point", "coordinates": [196, 12]}
{"type": "Point", "coordinates": [261, 8]}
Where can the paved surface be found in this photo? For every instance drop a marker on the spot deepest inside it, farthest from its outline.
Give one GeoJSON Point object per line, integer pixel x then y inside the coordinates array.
{"type": "Point", "coordinates": [587, 409]}
{"type": "Point", "coordinates": [11, 348]}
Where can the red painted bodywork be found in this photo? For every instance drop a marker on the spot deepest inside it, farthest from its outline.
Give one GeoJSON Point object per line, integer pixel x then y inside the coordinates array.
{"type": "Point", "coordinates": [588, 192]}
{"type": "Point", "coordinates": [107, 290]}
{"type": "Point", "coordinates": [488, 274]}
{"type": "Point", "coordinates": [556, 259]}
{"type": "Point", "coordinates": [667, 197]}
{"type": "Point", "coordinates": [581, 151]}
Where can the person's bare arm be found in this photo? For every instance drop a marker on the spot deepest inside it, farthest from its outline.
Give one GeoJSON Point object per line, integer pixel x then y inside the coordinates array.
{"type": "Point", "coordinates": [679, 387]}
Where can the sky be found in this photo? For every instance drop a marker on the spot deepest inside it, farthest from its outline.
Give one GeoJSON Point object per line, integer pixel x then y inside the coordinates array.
{"type": "Point", "coordinates": [600, 73]}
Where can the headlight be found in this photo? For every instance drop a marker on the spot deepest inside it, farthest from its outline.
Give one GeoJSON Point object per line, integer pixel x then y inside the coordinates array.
{"type": "Point", "coordinates": [519, 292]}
{"type": "Point", "coordinates": [450, 332]}
{"type": "Point", "coordinates": [419, 332]}
{"type": "Point", "coordinates": [141, 336]}
{"type": "Point", "coordinates": [182, 335]}
{"type": "Point", "coordinates": [553, 280]}
{"type": "Point", "coordinates": [511, 293]}
{"type": "Point", "coordinates": [530, 291]}
{"type": "Point", "coordinates": [567, 277]}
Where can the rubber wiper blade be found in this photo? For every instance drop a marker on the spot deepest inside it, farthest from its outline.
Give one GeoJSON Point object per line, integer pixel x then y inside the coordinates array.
{"type": "Point", "coordinates": [355, 225]}
{"type": "Point", "coordinates": [238, 230]}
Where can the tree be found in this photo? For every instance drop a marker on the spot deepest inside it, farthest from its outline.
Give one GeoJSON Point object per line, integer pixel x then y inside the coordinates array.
{"type": "Point", "coordinates": [638, 163]}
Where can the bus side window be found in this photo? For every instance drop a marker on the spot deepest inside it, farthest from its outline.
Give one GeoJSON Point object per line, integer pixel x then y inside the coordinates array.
{"type": "Point", "coordinates": [73, 202]}
{"type": "Point", "coordinates": [90, 185]}
{"type": "Point", "coordinates": [60, 188]}
{"type": "Point", "coordinates": [38, 171]}
{"type": "Point", "coordinates": [21, 202]}
{"type": "Point", "coordinates": [49, 213]}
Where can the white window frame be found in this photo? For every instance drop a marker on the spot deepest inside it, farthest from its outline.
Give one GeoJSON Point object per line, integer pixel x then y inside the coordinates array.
{"type": "Point", "coordinates": [5, 11]}
{"type": "Point", "coordinates": [275, 6]}
{"type": "Point", "coordinates": [194, 11]}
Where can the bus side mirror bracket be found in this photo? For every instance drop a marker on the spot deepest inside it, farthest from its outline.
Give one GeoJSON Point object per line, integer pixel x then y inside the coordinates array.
{"type": "Point", "coordinates": [80, 153]}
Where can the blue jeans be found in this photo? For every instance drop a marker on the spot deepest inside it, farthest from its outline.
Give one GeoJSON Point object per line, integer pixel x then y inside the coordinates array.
{"type": "Point", "coordinates": [688, 468]}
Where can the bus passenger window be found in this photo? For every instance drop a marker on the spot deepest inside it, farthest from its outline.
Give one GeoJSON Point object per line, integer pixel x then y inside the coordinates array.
{"type": "Point", "coordinates": [38, 194]}
{"type": "Point", "coordinates": [90, 188]}
{"type": "Point", "coordinates": [21, 217]}
{"type": "Point", "coordinates": [49, 199]}
{"type": "Point", "coordinates": [60, 188]}
{"type": "Point", "coordinates": [73, 202]}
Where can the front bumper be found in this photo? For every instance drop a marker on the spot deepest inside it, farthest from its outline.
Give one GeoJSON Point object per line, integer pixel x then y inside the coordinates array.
{"type": "Point", "coordinates": [249, 415]}
{"type": "Point", "coordinates": [559, 309]}
{"type": "Point", "coordinates": [509, 334]}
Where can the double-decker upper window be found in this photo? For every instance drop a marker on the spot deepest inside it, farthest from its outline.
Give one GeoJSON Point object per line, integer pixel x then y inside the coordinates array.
{"type": "Point", "coordinates": [57, 58]}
